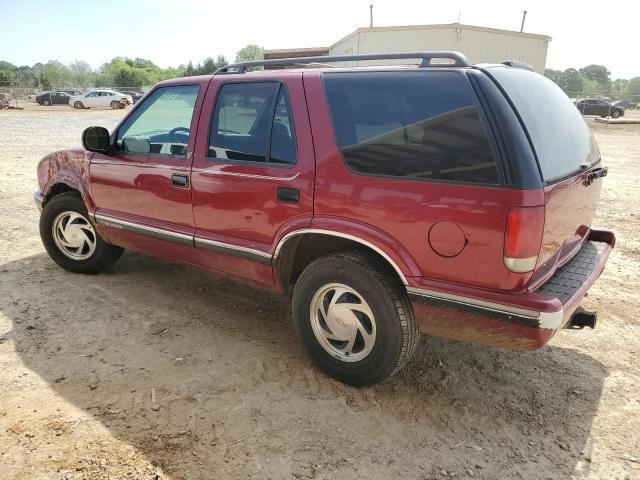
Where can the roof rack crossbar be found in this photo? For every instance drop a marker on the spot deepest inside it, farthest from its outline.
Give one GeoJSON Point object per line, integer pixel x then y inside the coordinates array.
{"type": "Point", "coordinates": [458, 60]}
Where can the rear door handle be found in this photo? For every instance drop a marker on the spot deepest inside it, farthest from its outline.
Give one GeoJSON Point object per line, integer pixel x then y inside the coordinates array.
{"type": "Point", "coordinates": [596, 173]}
{"type": "Point", "coordinates": [178, 180]}
{"type": "Point", "coordinates": [288, 195]}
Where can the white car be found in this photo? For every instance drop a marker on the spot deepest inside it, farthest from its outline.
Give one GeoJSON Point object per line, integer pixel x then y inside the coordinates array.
{"type": "Point", "coordinates": [101, 98]}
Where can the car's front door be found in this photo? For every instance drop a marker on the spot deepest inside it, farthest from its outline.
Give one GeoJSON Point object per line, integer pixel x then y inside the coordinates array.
{"type": "Point", "coordinates": [253, 171]}
{"type": "Point", "coordinates": [142, 192]}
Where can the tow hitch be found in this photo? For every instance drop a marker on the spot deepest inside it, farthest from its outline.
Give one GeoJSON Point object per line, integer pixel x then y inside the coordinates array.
{"type": "Point", "coordinates": [582, 318]}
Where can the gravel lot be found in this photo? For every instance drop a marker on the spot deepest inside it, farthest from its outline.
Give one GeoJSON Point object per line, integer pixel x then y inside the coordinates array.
{"type": "Point", "coordinates": [84, 359]}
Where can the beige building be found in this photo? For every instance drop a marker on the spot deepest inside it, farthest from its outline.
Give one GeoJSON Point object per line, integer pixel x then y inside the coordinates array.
{"type": "Point", "coordinates": [479, 44]}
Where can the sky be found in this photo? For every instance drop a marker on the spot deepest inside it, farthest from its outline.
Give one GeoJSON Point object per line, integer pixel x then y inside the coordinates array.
{"type": "Point", "coordinates": [172, 32]}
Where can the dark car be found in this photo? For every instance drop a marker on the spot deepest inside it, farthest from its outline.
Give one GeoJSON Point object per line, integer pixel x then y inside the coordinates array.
{"type": "Point", "coordinates": [71, 93]}
{"type": "Point", "coordinates": [450, 199]}
{"type": "Point", "coordinates": [53, 98]}
{"type": "Point", "coordinates": [135, 95]}
{"type": "Point", "coordinates": [624, 104]}
{"type": "Point", "coordinates": [594, 106]}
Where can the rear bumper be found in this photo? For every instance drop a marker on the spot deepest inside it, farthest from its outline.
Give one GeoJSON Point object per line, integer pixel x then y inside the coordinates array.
{"type": "Point", "coordinates": [519, 320]}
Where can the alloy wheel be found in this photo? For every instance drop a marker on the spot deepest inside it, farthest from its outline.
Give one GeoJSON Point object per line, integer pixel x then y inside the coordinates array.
{"type": "Point", "coordinates": [74, 235]}
{"type": "Point", "coordinates": [343, 322]}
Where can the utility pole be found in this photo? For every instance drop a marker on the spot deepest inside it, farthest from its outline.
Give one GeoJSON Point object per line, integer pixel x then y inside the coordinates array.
{"type": "Point", "coordinates": [371, 16]}
{"type": "Point", "coordinates": [524, 15]}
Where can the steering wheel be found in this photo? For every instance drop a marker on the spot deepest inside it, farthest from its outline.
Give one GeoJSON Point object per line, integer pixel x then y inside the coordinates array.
{"type": "Point", "coordinates": [171, 136]}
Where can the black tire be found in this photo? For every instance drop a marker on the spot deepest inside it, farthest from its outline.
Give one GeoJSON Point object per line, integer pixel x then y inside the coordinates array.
{"type": "Point", "coordinates": [115, 105]}
{"type": "Point", "coordinates": [46, 103]}
{"type": "Point", "coordinates": [397, 332]}
{"type": "Point", "coordinates": [615, 114]}
{"type": "Point", "coordinates": [102, 257]}
{"type": "Point", "coordinates": [78, 105]}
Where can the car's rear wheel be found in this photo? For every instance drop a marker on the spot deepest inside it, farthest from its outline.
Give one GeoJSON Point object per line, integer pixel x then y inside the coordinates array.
{"type": "Point", "coordinates": [115, 105]}
{"type": "Point", "coordinates": [71, 239]}
{"type": "Point", "coordinates": [354, 318]}
{"type": "Point", "coordinates": [78, 105]}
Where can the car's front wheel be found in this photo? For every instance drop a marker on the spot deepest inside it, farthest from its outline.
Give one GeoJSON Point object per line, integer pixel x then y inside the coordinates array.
{"type": "Point", "coordinates": [115, 105]}
{"type": "Point", "coordinates": [71, 239]}
{"type": "Point", "coordinates": [78, 105]}
{"type": "Point", "coordinates": [615, 114]}
{"type": "Point", "coordinates": [46, 103]}
{"type": "Point", "coordinates": [354, 318]}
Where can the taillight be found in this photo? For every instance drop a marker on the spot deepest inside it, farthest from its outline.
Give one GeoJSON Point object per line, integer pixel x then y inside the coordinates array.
{"type": "Point", "coordinates": [522, 238]}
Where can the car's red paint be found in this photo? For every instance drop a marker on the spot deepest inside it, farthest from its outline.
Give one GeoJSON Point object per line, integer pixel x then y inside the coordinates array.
{"type": "Point", "coordinates": [235, 203]}
{"type": "Point", "coordinates": [569, 211]}
{"type": "Point", "coordinates": [406, 209]}
{"type": "Point", "coordinates": [66, 167]}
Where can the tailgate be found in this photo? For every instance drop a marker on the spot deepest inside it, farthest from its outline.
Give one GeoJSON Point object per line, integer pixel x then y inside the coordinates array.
{"type": "Point", "coordinates": [570, 207]}
{"type": "Point", "coordinates": [568, 160]}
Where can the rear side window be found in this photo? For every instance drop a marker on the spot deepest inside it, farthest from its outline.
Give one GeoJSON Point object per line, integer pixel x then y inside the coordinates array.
{"type": "Point", "coordinates": [252, 122]}
{"type": "Point", "coordinates": [418, 125]}
{"type": "Point", "coordinates": [561, 138]}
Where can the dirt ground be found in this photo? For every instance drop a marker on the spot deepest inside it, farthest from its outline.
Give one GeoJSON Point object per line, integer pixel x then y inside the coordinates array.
{"type": "Point", "coordinates": [154, 371]}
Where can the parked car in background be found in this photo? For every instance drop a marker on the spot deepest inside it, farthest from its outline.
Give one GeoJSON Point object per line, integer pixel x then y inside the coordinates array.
{"type": "Point", "coordinates": [72, 93]}
{"type": "Point", "coordinates": [53, 98]}
{"type": "Point", "coordinates": [594, 106]}
{"type": "Point", "coordinates": [624, 104]}
{"type": "Point", "coordinates": [135, 95]}
{"type": "Point", "coordinates": [101, 99]}
{"type": "Point", "coordinates": [444, 198]}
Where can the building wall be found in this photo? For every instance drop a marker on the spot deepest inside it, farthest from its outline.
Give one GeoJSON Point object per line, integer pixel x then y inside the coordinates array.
{"type": "Point", "coordinates": [479, 44]}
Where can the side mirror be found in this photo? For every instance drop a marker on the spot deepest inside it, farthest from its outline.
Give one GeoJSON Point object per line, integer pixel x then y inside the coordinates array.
{"type": "Point", "coordinates": [96, 139]}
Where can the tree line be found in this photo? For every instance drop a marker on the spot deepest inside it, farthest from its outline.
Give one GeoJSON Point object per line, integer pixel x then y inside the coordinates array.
{"type": "Point", "coordinates": [119, 72]}
{"type": "Point", "coordinates": [594, 79]}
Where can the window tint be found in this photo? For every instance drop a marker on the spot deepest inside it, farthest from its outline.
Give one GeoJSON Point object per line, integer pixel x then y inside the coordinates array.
{"type": "Point", "coordinates": [244, 124]}
{"type": "Point", "coordinates": [421, 125]}
{"type": "Point", "coordinates": [162, 123]}
{"type": "Point", "coordinates": [561, 138]}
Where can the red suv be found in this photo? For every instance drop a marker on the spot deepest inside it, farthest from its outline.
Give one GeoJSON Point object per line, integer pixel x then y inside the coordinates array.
{"type": "Point", "coordinates": [444, 198]}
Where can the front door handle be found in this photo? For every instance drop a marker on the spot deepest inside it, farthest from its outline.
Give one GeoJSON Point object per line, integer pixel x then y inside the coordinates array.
{"type": "Point", "coordinates": [178, 180]}
{"type": "Point", "coordinates": [289, 195]}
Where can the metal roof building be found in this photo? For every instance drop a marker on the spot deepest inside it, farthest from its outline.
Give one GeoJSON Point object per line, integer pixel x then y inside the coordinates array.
{"type": "Point", "coordinates": [479, 44]}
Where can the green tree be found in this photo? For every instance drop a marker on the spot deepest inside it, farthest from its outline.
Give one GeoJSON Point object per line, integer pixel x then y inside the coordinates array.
{"type": "Point", "coordinates": [249, 54]}
{"type": "Point", "coordinates": [570, 81]}
{"type": "Point", "coordinates": [55, 75]}
{"type": "Point", "coordinates": [620, 85]}
{"type": "Point", "coordinates": [7, 71]}
{"type": "Point", "coordinates": [189, 70]}
{"type": "Point", "coordinates": [633, 88]}
{"type": "Point", "coordinates": [81, 74]}
{"type": "Point", "coordinates": [597, 73]}
{"type": "Point", "coordinates": [553, 75]}
{"type": "Point", "coordinates": [221, 61]}
{"type": "Point", "coordinates": [25, 75]}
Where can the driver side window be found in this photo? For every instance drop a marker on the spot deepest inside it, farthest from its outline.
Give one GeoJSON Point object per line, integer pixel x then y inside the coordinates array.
{"type": "Point", "coordinates": [161, 125]}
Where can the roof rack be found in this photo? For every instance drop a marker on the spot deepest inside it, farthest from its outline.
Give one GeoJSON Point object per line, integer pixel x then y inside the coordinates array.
{"type": "Point", "coordinates": [459, 60]}
{"type": "Point", "coordinates": [516, 64]}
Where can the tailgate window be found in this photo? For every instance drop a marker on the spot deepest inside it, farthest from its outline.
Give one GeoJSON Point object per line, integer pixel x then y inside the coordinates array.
{"type": "Point", "coordinates": [414, 125]}
{"type": "Point", "coordinates": [561, 139]}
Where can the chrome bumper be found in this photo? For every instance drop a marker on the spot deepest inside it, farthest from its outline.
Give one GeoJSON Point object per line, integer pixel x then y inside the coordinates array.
{"type": "Point", "coordinates": [39, 199]}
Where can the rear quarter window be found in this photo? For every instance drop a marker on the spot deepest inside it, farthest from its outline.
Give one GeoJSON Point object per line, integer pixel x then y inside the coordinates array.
{"type": "Point", "coordinates": [421, 125]}
{"type": "Point", "coordinates": [561, 139]}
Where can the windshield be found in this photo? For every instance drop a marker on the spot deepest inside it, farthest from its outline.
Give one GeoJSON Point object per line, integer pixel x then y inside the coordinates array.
{"type": "Point", "coordinates": [562, 140]}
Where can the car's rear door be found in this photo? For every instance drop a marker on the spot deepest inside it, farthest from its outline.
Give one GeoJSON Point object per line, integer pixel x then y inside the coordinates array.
{"type": "Point", "coordinates": [253, 171]}
{"type": "Point", "coordinates": [142, 191]}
